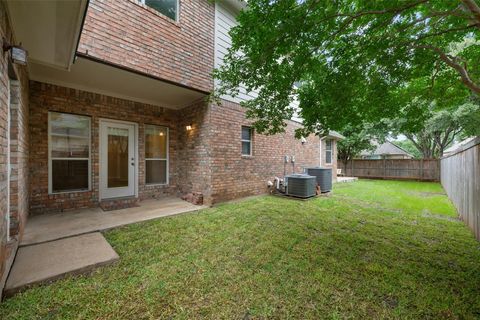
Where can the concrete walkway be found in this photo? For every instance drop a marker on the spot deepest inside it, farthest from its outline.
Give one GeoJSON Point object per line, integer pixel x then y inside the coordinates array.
{"type": "Point", "coordinates": [53, 260]}
{"type": "Point", "coordinates": [346, 179]}
{"type": "Point", "coordinates": [56, 245]}
{"type": "Point", "coordinates": [55, 226]}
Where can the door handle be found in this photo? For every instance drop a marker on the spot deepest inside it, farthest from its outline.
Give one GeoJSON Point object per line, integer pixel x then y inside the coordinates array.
{"type": "Point", "coordinates": [133, 163]}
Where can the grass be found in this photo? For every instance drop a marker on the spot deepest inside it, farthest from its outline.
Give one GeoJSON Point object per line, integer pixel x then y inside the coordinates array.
{"type": "Point", "coordinates": [374, 249]}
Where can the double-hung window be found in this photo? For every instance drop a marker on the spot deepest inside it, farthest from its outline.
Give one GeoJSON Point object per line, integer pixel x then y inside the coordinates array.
{"type": "Point", "coordinates": [246, 141]}
{"type": "Point", "coordinates": [156, 155]}
{"type": "Point", "coordinates": [168, 8]}
{"type": "Point", "coordinates": [328, 151]}
{"type": "Point", "coordinates": [69, 152]}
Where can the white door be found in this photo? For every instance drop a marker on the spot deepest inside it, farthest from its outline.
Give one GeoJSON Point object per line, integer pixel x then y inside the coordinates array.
{"type": "Point", "coordinates": [117, 159]}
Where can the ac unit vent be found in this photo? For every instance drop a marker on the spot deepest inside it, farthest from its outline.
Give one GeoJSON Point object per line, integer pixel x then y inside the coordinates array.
{"type": "Point", "coordinates": [301, 185]}
{"type": "Point", "coordinates": [324, 177]}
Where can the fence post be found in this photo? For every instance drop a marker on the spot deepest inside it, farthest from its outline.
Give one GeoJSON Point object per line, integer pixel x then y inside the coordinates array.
{"type": "Point", "coordinates": [384, 167]}
{"type": "Point", "coordinates": [438, 172]}
{"type": "Point", "coordinates": [421, 169]}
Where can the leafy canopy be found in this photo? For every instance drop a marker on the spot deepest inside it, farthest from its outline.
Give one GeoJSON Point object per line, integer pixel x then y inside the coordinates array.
{"type": "Point", "coordinates": [347, 60]}
{"type": "Point", "coordinates": [359, 137]}
{"type": "Point", "coordinates": [408, 146]}
{"type": "Point", "coordinates": [433, 129]}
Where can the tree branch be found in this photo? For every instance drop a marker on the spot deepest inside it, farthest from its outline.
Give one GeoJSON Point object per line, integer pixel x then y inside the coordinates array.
{"type": "Point", "coordinates": [434, 74]}
{"type": "Point", "coordinates": [452, 62]}
{"type": "Point", "coordinates": [434, 14]}
{"type": "Point", "coordinates": [416, 144]}
{"type": "Point", "coordinates": [474, 9]}
{"type": "Point", "coordinates": [429, 35]}
{"type": "Point", "coordinates": [352, 17]}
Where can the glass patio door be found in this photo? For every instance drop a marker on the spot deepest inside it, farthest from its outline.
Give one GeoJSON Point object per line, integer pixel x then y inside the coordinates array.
{"type": "Point", "coordinates": [117, 159]}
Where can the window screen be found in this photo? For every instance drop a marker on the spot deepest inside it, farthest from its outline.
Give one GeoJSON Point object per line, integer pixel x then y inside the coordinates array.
{"type": "Point", "coordinates": [156, 155]}
{"type": "Point", "coordinates": [328, 151]}
{"type": "Point", "coordinates": [69, 152]}
{"type": "Point", "coordinates": [246, 141]}
{"type": "Point", "coordinates": [168, 8]}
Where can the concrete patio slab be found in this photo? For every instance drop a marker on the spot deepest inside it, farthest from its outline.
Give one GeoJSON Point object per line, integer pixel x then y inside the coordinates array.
{"type": "Point", "coordinates": [53, 260]}
{"type": "Point", "coordinates": [346, 179]}
{"type": "Point", "coordinates": [55, 226]}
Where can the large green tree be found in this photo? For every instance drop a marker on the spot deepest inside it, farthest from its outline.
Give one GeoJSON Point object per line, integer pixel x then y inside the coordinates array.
{"type": "Point", "coordinates": [408, 146]}
{"type": "Point", "coordinates": [347, 57]}
{"type": "Point", "coordinates": [359, 137]}
{"type": "Point", "coordinates": [436, 129]}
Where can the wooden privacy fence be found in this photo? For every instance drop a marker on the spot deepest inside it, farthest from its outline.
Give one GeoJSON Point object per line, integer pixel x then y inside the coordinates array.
{"type": "Point", "coordinates": [409, 169]}
{"type": "Point", "coordinates": [460, 176]}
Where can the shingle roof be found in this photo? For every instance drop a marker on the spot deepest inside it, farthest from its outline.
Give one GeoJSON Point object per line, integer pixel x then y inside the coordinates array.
{"type": "Point", "coordinates": [385, 148]}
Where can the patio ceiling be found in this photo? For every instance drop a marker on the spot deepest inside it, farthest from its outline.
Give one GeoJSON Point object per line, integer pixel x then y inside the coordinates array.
{"type": "Point", "coordinates": [96, 76]}
{"type": "Point", "coordinates": [49, 30]}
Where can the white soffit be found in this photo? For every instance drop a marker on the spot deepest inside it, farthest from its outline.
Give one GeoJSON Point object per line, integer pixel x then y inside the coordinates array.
{"type": "Point", "coordinates": [48, 29]}
{"type": "Point", "coordinates": [88, 75]}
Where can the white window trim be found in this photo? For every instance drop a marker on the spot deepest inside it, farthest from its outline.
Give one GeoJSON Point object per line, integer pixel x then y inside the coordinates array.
{"type": "Point", "coordinates": [167, 159]}
{"type": "Point", "coordinates": [176, 13]}
{"type": "Point", "coordinates": [50, 158]}
{"type": "Point", "coordinates": [329, 150]}
{"type": "Point", "coordinates": [251, 142]}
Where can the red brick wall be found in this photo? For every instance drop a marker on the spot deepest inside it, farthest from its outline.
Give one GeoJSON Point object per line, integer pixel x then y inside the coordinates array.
{"type": "Point", "coordinates": [45, 98]}
{"type": "Point", "coordinates": [234, 175]}
{"type": "Point", "coordinates": [4, 83]}
{"type": "Point", "coordinates": [194, 170]}
{"type": "Point", "coordinates": [206, 159]}
{"type": "Point", "coordinates": [13, 96]}
{"type": "Point", "coordinates": [132, 35]}
{"type": "Point", "coordinates": [19, 157]}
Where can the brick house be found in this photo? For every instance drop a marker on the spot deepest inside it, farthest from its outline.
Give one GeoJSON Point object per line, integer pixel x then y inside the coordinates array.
{"type": "Point", "coordinates": [111, 105]}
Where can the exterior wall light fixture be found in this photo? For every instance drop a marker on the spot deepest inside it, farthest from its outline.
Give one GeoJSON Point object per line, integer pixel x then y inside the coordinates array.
{"type": "Point", "coordinates": [18, 54]}
{"type": "Point", "coordinates": [189, 127]}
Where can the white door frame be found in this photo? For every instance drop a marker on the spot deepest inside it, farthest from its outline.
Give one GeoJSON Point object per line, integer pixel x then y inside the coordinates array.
{"type": "Point", "coordinates": [104, 192]}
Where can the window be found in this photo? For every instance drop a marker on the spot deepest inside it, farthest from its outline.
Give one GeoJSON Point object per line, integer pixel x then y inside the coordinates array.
{"type": "Point", "coordinates": [328, 151]}
{"type": "Point", "coordinates": [168, 8]}
{"type": "Point", "coordinates": [69, 152]}
{"type": "Point", "coordinates": [246, 141]}
{"type": "Point", "coordinates": [156, 155]}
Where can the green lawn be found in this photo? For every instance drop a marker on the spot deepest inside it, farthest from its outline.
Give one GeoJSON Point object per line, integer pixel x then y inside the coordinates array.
{"type": "Point", "coordinates": [374, 249]}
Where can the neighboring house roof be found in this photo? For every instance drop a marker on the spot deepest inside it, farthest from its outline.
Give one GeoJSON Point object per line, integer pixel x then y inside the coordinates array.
{"type": "Point", "coordinates": [457, 146]}
{"type": "Point", "coordinates": [387, 148]}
